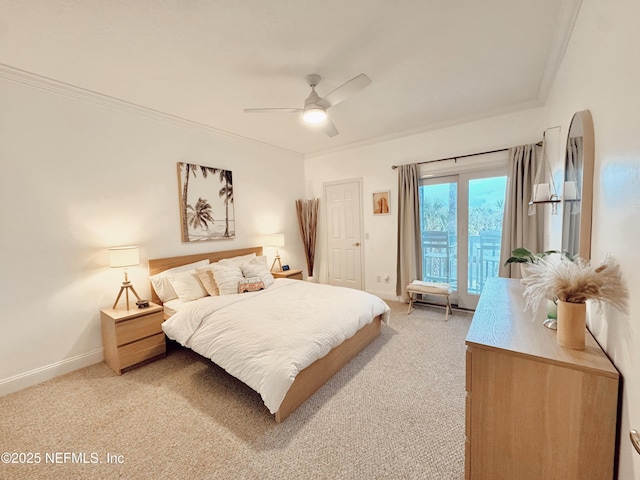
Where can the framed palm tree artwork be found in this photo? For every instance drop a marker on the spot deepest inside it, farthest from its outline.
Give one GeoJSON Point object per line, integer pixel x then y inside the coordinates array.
{"type": "Point", "coordinates": [206, 203]}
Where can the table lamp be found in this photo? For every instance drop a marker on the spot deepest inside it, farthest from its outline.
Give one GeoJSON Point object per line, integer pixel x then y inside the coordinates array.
{"type": "Point", "coordinates": [123, 257]}
{"type": "Point", "coordinates": [276, 240]}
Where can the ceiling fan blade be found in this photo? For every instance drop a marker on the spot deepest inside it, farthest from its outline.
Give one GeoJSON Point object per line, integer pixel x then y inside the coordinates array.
{"type": "Point", "coordinates": [272, 110]}
{"type": "Point", "coordinates": [347, 89]}
{"type": "Point", "coordinates": [329, 128]}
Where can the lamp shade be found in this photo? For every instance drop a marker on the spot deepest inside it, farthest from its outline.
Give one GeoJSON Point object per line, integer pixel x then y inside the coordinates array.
{"type": "Point", "coordinates": [276, 240]}
{"type": "Point", "coordinates": [123, 256]}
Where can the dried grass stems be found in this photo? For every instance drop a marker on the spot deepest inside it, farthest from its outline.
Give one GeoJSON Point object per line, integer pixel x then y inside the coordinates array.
{"type": "Point", "coordinates": [575, 281]}
{"type": "Point", "coordinates": [307, 211]}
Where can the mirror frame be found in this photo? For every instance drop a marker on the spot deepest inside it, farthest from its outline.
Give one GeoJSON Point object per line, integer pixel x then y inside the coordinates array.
{"type": "Point", "coordinates": [586, 194]}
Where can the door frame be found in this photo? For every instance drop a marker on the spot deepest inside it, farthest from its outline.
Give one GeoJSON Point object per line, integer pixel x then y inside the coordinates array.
{"type": "Point", "coordinates": [360, 226]}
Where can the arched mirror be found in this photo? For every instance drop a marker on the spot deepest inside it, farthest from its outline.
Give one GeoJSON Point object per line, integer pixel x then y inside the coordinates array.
{"type": "Point", "coordinates": [577, 196]}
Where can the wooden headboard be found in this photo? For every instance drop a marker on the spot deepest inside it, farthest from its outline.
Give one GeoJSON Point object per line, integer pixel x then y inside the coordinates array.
{"type": "Point", "coordinates": [158, 265]}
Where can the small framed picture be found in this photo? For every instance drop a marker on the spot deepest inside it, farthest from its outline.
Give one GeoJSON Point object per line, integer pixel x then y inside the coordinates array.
{"type": "Point", "coordinates": [381, 203]}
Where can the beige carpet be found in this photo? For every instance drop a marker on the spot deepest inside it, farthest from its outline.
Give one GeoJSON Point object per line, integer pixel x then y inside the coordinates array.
{"type": "Point", "coordinates": [396, 411]}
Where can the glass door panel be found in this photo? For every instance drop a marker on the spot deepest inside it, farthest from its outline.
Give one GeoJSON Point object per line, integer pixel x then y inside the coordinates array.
{"type": "Point", "coordinates": [484, 226]}
{"type": "Point", "coordinates": [439, 226]}
{"type": "Point", "coordinates": [461, 229]}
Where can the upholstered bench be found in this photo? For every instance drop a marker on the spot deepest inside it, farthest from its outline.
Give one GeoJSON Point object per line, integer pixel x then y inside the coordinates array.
{"type": "Point", "coordinates": [418, 287]}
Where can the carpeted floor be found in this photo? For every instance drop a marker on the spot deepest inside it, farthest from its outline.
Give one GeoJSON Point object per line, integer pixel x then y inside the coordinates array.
{"type": "Point", "coordinates": [396, 411]}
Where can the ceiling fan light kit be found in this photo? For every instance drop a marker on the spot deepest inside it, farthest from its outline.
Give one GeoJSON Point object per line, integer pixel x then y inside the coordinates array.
{"type": "Point", "coordinates": [315, 107]}
{"type": "Point", "coordinates": [314, 115]}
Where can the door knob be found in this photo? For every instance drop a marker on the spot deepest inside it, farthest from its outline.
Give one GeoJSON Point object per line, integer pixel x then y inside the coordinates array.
{"type": "Point", "coordinates": [357, 244]}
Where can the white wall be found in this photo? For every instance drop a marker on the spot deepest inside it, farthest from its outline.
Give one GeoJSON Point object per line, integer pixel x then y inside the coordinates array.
{"type": "Point", "coordinates": [373, 164]}
{"type": "Point", "coordinates": [78, 178]}
{"type": "Point", "coordinates": [601, 73]}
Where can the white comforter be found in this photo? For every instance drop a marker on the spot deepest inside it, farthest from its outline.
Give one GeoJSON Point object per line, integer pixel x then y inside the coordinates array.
{"type": "Point", "coordinates": [265, 338]}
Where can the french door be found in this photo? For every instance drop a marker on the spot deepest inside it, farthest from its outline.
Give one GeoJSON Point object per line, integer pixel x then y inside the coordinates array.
{"type": "Point", "coordinates": [461, 226]}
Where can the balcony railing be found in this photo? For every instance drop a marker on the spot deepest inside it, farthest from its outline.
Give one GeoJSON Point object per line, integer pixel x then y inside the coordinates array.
{"type": "Point", "coordinates": [440, 262]}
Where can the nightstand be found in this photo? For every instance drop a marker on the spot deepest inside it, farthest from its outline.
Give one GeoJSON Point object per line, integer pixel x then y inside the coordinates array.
{"type": "Point", "coordinates": [292, 274]}
{"type": "Point", "coordinates": [133, 336]}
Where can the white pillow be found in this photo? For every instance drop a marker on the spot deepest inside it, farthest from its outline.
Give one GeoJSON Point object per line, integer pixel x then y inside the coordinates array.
{"type": "Point", "coordinates": [227, 278]}
{"type": "Point", "coordinates": [206, 277]}
{"type": "Point", "coordinates": [258, 267]}
{"type": "Point", "coordinates": [187, 285]}
{"type": "Point", "coordinates": [239, 260]}
{"type": "Point", "coordinates": [161, 283]}
{"type": "Point", "coordinates": [206, 273]}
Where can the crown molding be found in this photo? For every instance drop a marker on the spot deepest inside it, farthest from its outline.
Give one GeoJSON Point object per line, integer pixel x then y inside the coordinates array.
{"type": "Point", "coordinates": [567, 17]}
{"type": "Point", "coordinates": [24, 77]}
{"type": "Point", "coordinates": [434, 126]}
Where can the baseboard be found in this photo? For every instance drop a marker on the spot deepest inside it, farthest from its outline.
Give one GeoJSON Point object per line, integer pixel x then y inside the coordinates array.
{"type": "Point", "coordinates": [42, 374]}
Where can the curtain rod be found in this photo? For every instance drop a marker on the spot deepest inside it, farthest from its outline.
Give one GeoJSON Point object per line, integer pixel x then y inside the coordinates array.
{"type": "Point", "coordinates": [457, 157]}
{"type": "Point", "coordinates": [539, 144]}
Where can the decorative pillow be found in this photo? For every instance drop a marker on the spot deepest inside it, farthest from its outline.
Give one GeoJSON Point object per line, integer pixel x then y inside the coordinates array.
{"type": "Point", "coordinates": [258, 268]}
{"type": "Point", "coordinates": [252, 284]}
{"type": "Point", "coordinates": [161, 284]}
{"type": "Point", "coordinates": [187, 285]}
{"type": "Point", "coordinates": [227, 278]}
{"type": "Point", "coordinates": [206, 277]}
{"type": "Point", "coordinates": [206, 273]}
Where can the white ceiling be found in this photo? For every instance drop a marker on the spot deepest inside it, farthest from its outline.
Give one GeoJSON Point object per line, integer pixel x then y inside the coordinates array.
{"type": "Point", "coordinates": [432, 62]}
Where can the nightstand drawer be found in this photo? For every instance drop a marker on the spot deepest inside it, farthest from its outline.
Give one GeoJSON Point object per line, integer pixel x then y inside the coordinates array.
{"type": "Point", "coordinates": [141, 350]}
{"type": "Point", "coordinates": [128, 331]}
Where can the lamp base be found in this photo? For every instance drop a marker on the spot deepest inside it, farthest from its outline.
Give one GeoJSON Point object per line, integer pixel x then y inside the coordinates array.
{"type": "Point", "coordinates": [277, 260]}
{"type": "Point", "coordinates": [126, 286]}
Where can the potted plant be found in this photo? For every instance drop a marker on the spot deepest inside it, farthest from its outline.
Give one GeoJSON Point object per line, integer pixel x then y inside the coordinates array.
{"type": "Point", "coordinates": [526, 257]}
{"type": "Point", "coordinates": [523, 255]}
{"type": "Point", "coordinates": [573, 281]}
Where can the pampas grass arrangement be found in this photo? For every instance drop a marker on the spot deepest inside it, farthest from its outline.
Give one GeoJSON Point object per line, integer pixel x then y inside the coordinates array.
{"type": "Point", "coordinates": [575, 281]}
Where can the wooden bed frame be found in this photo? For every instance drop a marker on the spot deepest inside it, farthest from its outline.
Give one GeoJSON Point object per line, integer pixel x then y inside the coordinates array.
{"type": "Point", "coordinates": [309, 380]}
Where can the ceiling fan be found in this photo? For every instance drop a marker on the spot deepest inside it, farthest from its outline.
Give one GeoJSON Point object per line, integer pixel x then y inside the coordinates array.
{"type": "Point", "coordinates": [315, 107]}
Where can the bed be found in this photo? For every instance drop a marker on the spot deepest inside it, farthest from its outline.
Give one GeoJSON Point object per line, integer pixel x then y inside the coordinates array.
{"type": "Point", "coordinates": [303, 332]}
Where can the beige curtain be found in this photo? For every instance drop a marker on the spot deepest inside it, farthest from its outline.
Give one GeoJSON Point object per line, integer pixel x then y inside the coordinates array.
{"type": "Point", "coordinates": [409, 261]}
{"type": "Point", "coordinates": [519, 229]}
{"type": "Point", "coordinates": [571, 210]}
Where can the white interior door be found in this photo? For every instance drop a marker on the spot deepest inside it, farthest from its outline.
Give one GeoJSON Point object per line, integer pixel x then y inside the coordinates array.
{"type": "Point", "coordinates": [343, 202]}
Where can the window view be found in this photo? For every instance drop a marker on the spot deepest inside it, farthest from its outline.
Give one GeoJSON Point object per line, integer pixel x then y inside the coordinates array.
{"type": "Point", "coordinates": [439, 219]}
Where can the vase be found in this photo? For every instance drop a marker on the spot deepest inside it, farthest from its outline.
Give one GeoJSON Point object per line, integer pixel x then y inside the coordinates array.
{"type": "Point", "coordinates": [572, 324]}
{"type": "Point", "coordinates": [552, 315]}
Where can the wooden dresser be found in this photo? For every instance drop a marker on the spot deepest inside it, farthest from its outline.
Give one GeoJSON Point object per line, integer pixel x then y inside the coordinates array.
{"type": "Point", "coordinates": [535, 410]}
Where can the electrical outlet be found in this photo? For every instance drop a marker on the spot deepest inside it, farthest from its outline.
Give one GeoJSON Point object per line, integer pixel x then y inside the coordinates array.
{"type": "Point", "coordinates": [386, 278]}
{"type": "Point", "coordinates": [378, 278]}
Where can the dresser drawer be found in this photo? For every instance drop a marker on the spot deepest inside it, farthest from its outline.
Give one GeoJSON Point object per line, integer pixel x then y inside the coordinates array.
{"type": "Point", "coordinates": [128, 331]}
{"type": "Point", "coordinates": [141, 350]}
